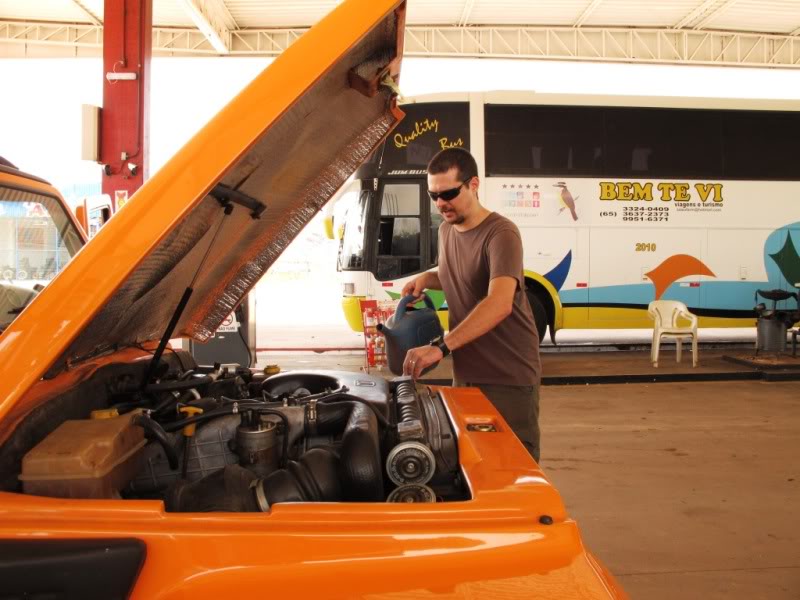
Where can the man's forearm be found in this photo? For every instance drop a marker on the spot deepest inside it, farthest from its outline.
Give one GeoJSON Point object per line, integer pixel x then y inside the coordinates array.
{"type": "Point", "coordinates": [484, 317]}
{"type": "Point", "coordinates": [432, 280]}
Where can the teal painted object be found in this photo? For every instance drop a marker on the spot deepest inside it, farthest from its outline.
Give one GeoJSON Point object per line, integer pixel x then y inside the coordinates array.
{"type": "Point", "coordinates": [409, 328]}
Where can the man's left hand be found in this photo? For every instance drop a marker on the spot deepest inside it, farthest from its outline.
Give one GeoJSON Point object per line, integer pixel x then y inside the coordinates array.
{"type": "Point", "coordinates": [420, 358]}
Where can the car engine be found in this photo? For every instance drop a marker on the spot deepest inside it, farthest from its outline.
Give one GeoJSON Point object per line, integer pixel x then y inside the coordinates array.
{"type": "Point", "coordinates": [225, 438]}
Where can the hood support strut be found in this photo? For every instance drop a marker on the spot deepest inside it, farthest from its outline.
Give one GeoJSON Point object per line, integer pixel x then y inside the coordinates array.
{"type": "Point", "coordinates": [187, 294]}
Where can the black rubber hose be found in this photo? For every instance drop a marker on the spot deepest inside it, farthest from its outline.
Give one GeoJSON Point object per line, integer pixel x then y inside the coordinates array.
{"type": "Point", "coordinates": [178, 384]}
{"type": "Point", "coordinates": [313, 478]}
{"type": "Point", "coordinates": [360, 465]}
{"type": "Point", "coordinates": [334, 398]}
{"type": "Point", "coordinates": [219, 412]}
{"type": "Point", "coordinates": [154, 431]}
{"type": "Point", "coordinates": [331, 418]}
{"type": "Point", "coordinates": [170, 401]}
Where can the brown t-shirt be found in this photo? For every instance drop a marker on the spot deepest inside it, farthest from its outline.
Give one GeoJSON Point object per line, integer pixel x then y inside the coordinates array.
{"type": "Point", "coordinates": [509, 353]}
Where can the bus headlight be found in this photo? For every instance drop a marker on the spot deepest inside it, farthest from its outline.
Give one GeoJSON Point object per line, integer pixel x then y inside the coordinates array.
{"type": "Point", "coordinates": [348, 289]}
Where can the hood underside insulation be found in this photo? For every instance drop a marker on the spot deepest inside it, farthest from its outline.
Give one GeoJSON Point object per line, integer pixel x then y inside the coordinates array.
{"type": "Point", "coordinates": [219, 249]}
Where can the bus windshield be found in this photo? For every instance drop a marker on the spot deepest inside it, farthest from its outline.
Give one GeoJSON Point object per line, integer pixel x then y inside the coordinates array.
{"type": "Point", "coordinates": [37, 239]}
{"type": "Point", "coordinates": [351, 251]}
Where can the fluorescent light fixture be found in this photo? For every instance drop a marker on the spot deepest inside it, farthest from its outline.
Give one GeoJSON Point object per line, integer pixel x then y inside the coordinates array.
{"type": "Point", "coordinates": [120, 76]}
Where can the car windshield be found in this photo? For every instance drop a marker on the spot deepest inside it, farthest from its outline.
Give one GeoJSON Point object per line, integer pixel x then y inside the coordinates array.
{"type": "Point", "coordinates": [37, 239]}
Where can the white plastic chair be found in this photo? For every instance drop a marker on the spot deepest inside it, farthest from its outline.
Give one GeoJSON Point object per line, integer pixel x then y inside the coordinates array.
{"type": "Point", "coordinates": [667, 315]}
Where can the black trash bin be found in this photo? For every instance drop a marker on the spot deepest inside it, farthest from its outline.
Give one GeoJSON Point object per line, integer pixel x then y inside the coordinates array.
{"type": "Point", "coordinates": [773, 323]}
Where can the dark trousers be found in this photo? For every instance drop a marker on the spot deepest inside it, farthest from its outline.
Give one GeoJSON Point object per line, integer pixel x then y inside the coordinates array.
{"type": "Point", "coordinates": [519, 406]}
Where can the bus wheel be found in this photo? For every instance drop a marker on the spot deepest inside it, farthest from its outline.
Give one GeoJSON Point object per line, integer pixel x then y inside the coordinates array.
{"type": "Point", "coordinates": [539, 313]}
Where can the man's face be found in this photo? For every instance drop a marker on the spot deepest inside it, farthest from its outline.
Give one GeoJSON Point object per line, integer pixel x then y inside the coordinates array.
{"type": "Point", "coordinates": [454, 210]}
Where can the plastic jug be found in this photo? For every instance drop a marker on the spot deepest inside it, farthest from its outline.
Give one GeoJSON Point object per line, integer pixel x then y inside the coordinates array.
{"type": "Point", "coordinates": [409, 328]}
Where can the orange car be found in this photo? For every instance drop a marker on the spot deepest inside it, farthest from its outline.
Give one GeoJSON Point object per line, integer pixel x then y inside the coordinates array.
{"type": "Point", "coordinates": [127, 470]}
{"type": "Point", "coordinates": [38, 237]}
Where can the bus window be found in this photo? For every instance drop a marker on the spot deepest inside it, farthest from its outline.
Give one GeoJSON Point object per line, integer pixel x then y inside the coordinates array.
{"type": "Point", "coordinates": [653, 143]}
{"type": "Point", "coordinates": [399, 231]}
{"type": "Point", "coordinates": [761, 146]}
{"type": "Point", "coordinates": [543, 140]}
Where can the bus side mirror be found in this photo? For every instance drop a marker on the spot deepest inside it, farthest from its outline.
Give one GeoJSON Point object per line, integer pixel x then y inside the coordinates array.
{"type": "Point", "coordinates": [80, 215]}
{"type": "Point", "coordinates": [328, 224]}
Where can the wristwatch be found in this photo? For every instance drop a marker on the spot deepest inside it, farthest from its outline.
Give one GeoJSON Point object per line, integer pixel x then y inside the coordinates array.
{"type": "Point", "coordinates": [439, 342]}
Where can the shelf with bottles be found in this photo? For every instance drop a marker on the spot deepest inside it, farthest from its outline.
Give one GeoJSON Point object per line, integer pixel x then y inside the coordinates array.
{"type": "Point", "coordinates": [373, 314]}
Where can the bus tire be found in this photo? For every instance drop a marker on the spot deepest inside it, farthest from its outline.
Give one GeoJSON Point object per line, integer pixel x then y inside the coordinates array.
{"type": "Point", "coordinates": [539, 313]}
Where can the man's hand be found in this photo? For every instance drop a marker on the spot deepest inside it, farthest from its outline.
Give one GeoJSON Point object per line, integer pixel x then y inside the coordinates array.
{"type": "Point", "coordinates": [415, 287]}
{"type": "Point", "coordinates": [420, 358]}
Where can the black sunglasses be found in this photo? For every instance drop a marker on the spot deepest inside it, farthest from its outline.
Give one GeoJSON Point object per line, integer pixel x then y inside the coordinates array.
{"type": "Point", "coordinates": [447, 195]}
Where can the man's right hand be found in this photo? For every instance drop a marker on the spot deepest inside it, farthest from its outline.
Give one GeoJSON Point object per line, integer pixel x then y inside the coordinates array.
{"type": "Point", "coordinates": [415, 287]}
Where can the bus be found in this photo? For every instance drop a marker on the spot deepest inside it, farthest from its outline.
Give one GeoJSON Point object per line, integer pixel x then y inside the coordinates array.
{"type": "Point", "coordinates": [619, 200]}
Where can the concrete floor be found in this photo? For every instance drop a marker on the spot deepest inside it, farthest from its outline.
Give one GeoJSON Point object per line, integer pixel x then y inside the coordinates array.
{"type": "Point", "coordinates": [684, 490]}
{"type": "Point", "coordinates": [568, 367]}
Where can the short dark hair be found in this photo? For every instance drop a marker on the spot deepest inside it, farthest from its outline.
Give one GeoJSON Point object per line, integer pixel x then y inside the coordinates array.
{"type": "Point", "coordinates": [459, 158]}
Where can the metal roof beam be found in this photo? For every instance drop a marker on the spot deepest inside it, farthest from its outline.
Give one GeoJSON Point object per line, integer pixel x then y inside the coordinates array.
{"type": "Point", "coordinates": [92, 17]}
{"type": "Point", "coordinates": [466, 12]}
{"type": "Point", "coordinates": [213, 19]}
{"type": "Point", "coordinates": [67, 35]}
{"type": "Point", "coordinates": [700, 16]}
{"type": "Point", "coordinates": [696, 13]}
{"type": "Point", "coordinates": [587, 12]}
{"type": "Point", "coordinates": [651, 46]}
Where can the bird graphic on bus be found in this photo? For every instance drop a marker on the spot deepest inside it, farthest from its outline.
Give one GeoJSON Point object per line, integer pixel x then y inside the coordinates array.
{"type": "Point", "coordinates": [567, 200]}
{"type": "Point", "coordinates": [674, 268]}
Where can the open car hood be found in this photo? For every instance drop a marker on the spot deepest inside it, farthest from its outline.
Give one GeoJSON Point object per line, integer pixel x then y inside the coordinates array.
{"type": "Point", "coordinates": [210, 223]}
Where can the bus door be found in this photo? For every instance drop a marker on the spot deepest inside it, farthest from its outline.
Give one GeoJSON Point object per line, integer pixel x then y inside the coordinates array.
{"type": "Point", "coordinates": [407, 226]}
{"type": "Point", "coordinates": [630, 265]}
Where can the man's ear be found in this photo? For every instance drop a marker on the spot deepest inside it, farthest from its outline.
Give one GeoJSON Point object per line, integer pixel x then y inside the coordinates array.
{"type": "Point", "coordinates": [474, 183]}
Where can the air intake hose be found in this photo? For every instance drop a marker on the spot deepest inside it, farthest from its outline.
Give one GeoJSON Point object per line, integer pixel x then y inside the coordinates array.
{"type": "Point", "coordinates": [360, 459]}
{"type": "Point", "coordinates": [235, 489]}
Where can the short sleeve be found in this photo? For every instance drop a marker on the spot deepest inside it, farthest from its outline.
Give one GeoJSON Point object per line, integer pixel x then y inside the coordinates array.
{"type": "Point", "coordinates": [504, 253]}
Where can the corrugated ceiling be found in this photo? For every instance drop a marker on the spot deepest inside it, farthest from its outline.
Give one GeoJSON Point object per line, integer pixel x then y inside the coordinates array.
{"type": "Point", "coordinates": [765, 16]}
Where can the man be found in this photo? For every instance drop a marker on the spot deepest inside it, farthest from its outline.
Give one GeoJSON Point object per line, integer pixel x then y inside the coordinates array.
{"type": "Point", "coordinates": [492, 334]}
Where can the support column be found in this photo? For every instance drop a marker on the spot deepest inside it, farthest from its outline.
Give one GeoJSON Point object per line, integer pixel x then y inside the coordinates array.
{"type": "Point", "coordinates": [125, 118]}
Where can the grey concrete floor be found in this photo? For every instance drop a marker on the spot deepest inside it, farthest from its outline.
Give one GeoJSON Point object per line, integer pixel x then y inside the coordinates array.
{"type": "Point", "coordinates": [683, 490]}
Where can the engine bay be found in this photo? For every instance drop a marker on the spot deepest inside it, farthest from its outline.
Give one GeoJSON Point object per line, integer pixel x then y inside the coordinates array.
{"type": "Point", "coordinates": [225, 438]}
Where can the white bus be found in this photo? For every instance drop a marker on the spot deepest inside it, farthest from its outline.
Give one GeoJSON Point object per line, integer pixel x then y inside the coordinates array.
{"type": "Point", "coordinates": [619, 200]}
